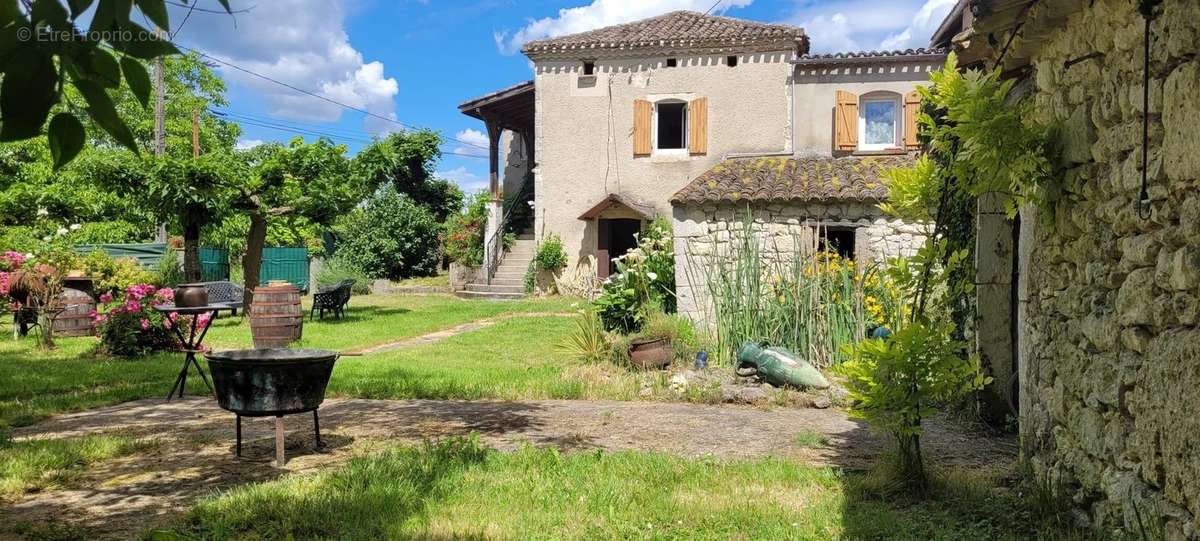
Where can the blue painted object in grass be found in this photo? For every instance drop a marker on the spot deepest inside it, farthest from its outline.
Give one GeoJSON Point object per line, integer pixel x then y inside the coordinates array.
{"type": "Point", "coordinates": [701, 360]}
{"type": "Point", "coordinates": [881, 332]}
{"type": "Point", "coordinates": [778, 366]}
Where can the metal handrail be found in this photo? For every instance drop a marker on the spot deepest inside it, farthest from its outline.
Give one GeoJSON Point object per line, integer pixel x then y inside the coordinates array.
{"type": "Point", "coordinates": [496, 244]}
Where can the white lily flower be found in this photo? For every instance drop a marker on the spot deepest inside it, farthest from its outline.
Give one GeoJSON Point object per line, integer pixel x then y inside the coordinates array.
{"type": "Point", "coordinates": [43, 212]}
{"type": "Point", "coordinates": [651, 276]}
{"type": "Point", "coordinates": [75, 227]}
{"type": "Point", "coordinates": [62, 231]}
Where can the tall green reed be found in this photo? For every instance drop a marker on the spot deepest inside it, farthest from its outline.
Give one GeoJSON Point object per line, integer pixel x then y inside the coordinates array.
{"type": "Point", "coordinates": [786, 292]}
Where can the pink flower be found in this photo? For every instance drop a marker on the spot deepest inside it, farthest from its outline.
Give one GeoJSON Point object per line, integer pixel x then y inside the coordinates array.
{"type": "Point", "coordinates": [204, 318]}
{"type": "Point", "coordinates": [133, 306]}
{"type": "Point", "coordinates": [106, 298]}
{"type": "Point", "coordinates": [166, 294]}
{"type": "Point", "coordinates": [169, 323]}
{"type": "Point", "coordinates": [145, 324]}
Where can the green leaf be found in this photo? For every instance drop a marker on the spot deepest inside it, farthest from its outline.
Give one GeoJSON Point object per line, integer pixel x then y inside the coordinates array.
{"type": "Point", "coordinates": [49, 11]}
{"type": "Point", "coordinates": [102, 111]}
{"type": "Point", "coordinates": [137, 78]}
{"type": "Point", "coordinates": [78, 6]}
{"type": "Point", "coordinates": [27, 93]}
{"type": "Point", "coordinates": [66, 138]}
{"type": "Point", "coordinates": [104, 69]}
{"type": "Point", "coordinates": [144, 44]}
{"type": "Point", "coordinates": [225, 4]}
{"type": "Point", "coordinates": [156, 11]}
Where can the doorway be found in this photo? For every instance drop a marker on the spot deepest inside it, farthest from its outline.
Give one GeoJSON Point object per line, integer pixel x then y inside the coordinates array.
{"type": "Point", "coordinates": [615, 236]}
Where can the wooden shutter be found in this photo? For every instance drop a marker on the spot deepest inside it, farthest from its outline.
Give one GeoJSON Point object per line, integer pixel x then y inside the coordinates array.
{"type": "Point", "coordinates": [698, 127]}
{"type": "Point", "coordinates": [845, 121]}
{"type": "Point", "coordinates": [642, 116]}
{"type": "Point", "coordinates": [912, 106]}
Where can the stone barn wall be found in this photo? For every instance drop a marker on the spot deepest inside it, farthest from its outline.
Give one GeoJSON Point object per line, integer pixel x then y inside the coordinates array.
{"type": "Point", "coordinates": [1110, 303]}
{"type": "Point", "coordinates": [703, 232]}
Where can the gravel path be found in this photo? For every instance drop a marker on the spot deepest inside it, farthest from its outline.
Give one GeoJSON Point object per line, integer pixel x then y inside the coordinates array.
{"type": "Point", "coordinates": [121, 497]}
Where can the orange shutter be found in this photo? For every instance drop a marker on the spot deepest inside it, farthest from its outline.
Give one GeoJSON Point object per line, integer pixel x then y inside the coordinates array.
{"type": "Point", "coordinates": [845, 121]}
{"type": "Point", "coordinates": [698, 127]}
{"type": "Point", "coordinates": [642, 115]}
{"type": "Point", "coordinates": [912, 107]}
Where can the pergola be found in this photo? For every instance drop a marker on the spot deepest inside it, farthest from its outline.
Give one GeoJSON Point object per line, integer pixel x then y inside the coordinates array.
{"type": "Point", "coordinates": [510, 109]}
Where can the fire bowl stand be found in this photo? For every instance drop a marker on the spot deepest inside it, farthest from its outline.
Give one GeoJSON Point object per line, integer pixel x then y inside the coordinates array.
{"type": "Point", "coordinates": [280, 459]}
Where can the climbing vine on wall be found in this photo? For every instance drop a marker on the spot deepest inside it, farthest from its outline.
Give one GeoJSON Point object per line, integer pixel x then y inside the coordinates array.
{"type": "Point", "coordinates": [979, 140]}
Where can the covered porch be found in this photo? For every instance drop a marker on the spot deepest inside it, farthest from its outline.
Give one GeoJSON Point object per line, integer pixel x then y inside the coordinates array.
{"type": "Point", "coordinates": [508, 115]}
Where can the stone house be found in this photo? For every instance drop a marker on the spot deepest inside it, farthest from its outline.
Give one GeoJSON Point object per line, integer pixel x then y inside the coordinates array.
{"type": "Point", "coordinates": [632, 122]}
{"type": "Point", "coordinates": [1100, 310]}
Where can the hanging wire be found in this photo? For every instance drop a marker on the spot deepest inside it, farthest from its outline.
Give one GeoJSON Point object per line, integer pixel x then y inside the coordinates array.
{"type": "Point", "coordinates": [1146, 7]}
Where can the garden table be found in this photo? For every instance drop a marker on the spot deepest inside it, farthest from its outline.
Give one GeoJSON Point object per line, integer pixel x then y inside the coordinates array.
{"type": "Point", "coordinates": [192, 341]}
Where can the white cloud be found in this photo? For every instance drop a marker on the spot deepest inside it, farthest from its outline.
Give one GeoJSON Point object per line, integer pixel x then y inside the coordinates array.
{"type": "Point", "coordinates": [299, 42]}
{"type": "Point", "coordinates": [468, 181]}
{"type": "Point", "coordinates": [850, 25]}
{"type": "Point", "coordinates": [924, 23]}
{"type": "Point", "coordinates": [477, 143]}
{"type": "Point", "coordinates": [598, 14]}
{"type": "Point", "coordinates": [247, 144]}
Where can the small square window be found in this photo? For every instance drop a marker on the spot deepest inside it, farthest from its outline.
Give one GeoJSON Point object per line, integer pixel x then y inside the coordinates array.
{"type": "Point", "coordinates": [839, 241]}
{"type": "Point", "coordinates": [589, 68]}
{"type": "Point", "coordinates": [731, 61]}
{"type": "Point", "coordinates": [671, 62]}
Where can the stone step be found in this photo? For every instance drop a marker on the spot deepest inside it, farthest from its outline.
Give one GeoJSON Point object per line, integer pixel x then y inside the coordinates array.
{"type": "Point", "coordinates": [489, 296]}
{"type": "Point", "coordinates": [501, 275]}
{"type": "Point", "coordinates": [520, 282]}
{"type": "Point", "coordinates": [496, 288]}
{"type": "Point", "coordinates": [522, 262]}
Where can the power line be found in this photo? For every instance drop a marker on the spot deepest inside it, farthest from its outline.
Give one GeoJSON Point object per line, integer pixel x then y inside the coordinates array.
{"type": "Point", "coordinates": [334, 135]}
{"type": "Point", "coordinates": [315, 95]}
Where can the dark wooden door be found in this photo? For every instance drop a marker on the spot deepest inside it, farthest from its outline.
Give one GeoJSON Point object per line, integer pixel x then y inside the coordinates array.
{"type": "Point", "coordinates": [614, 238]}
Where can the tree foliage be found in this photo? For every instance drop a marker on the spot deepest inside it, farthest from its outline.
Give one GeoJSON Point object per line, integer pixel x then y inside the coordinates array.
{"type": "Point", "coordinates": [391, 238]}
{"type": "Point", "coordinates": [406, 161]}
{"type": "Point", "coordinates": [46, 60]}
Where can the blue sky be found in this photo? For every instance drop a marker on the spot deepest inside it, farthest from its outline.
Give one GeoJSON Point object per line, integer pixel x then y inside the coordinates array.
{"type": "Point", "coordinates": [413, 61]}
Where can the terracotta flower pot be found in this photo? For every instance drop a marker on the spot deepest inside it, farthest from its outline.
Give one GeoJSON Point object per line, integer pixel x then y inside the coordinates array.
{"type": "Point", "coordinates": [651, 353]}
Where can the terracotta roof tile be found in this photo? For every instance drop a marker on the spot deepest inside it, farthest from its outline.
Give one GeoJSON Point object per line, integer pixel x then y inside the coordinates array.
{"type": "Point", "coordinates": [674, 29]}
{"type": "Point", "coordinates": [819, 178]}
{"type": "Point", "coordinates": [870, 56]}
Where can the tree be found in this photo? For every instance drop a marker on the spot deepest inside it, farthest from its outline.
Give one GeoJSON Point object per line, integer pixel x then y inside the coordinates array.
{"type": "Point", "coordinates": [405, 161]}
{"type": "Point", "coordinates": [310, 183]}
{"type": "Point", "coordinates": [43, 54]}
{"type": "Point", "coordinates": [392, 238]}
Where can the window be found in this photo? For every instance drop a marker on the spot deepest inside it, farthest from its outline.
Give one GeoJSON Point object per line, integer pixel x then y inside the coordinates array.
{"type": "Point", "coordinates": [589, 68]}
{"type": "Point", "coordinates": [671, 125]}
{"type": "Point", "coordinates": [731, 61]}
{"type": "Point", "coordinates": [837, 240]}
{"type": "Point", "coordinates": [671, 62]}
{"type": "Point", "coordinates": [879, 121]}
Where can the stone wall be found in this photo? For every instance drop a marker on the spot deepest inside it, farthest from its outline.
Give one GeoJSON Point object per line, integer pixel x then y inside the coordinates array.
{"type": "Point", "coordinates": [703, 233]}
{"type": "Point", "coordinates": [1110, 316]}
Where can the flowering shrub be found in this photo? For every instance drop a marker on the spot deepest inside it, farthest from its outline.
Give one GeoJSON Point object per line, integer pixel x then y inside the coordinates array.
{"type": "Point", "coordinates": [644, 282]}
{"type": "Point", "coordinates": [10, 262]}
{"type": "Point", "coordinates": [129, 326]}
{"type": "Point", "coordinates": [114, 275]}
{"type": "Point", "coordinates": [464, 232]}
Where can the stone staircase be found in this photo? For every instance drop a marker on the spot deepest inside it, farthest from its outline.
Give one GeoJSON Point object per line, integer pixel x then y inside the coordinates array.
{"type": "Point", "coordinates": [509, 281]}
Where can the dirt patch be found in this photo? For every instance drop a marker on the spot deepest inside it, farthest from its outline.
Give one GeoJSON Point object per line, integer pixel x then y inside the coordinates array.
{"type": "Point", "coordinates": [121, 498]}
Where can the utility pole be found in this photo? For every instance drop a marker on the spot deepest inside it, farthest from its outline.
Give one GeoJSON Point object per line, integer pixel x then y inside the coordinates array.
{"type": "Point", "coordinates": [160, 120]}
{"type": "Point", "coordinates": [195, 133]}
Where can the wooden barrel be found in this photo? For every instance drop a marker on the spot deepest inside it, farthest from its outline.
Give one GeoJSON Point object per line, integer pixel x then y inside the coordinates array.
{"type": "Point", "coordinates": [76, 316]}
{"type": "Point", "coordinates": [276, 317]}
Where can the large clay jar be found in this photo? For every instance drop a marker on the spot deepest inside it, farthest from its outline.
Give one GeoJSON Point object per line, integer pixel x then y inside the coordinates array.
{"type": "Point", "coordinates": [651, 353]}
{"type": "Point", "coordinates": [191, 295]}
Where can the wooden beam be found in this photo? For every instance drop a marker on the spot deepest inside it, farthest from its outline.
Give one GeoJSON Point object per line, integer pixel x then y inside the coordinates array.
{"type": "Point", "coordinates": [494, 130]}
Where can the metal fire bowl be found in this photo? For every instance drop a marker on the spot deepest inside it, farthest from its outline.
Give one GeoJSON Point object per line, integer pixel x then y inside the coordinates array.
{"type": "Point", "coordinates": [271, 382]}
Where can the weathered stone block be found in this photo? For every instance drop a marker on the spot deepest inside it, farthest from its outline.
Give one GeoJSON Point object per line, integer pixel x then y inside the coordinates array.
{"type": "Point", "coordinates": [1185, 269]}
{"type": "Point", "coordinates": [1181, 115]}
{"type": "Point", "coordinates": [1136, 297]}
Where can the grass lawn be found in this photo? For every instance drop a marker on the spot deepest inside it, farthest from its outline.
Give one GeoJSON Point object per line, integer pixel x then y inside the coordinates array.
{"type": "Point", "coordinates": [456, 489]}
{"type": "Point", "coordinates": [34, 383]}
